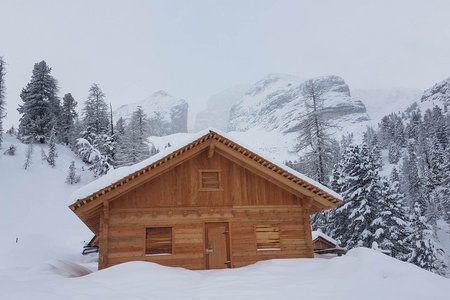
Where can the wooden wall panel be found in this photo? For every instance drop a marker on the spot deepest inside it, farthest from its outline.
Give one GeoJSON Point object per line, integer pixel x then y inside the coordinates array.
{"type": "Point", "coordinates": [126, 240]}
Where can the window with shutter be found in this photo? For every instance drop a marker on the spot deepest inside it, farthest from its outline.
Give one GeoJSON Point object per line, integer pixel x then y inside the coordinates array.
{"type": "Point", "coordinates": [210, 180]}
{"type": "Point", "coordinates": [267, 237]}
{"type": "Point", "coordinates": [158, 241]}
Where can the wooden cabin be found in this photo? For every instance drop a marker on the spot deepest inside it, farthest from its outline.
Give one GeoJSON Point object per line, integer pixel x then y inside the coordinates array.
{"type": "Point", "coordinates": [209, 204]}
{"type": "Point", "coordinates": [324, 244]}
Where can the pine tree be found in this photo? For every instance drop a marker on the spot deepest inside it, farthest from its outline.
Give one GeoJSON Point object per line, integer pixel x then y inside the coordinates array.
{"type": "Point", "coordinates": [72, 177]}
{"type": "Point", "coordinates": [357, 179]}
{"type": "Point", "coordinates": [28, 157]}
{"type": "Point", "coordinates": [412, 184]}
{"type": "Point", "coordinates": [97, 126]}
{"type": "Point", "coordinates": [426, 252]}
{"type": "Point", "coordinates": [315, 144]}
{"type": "Point", "coordinates": [68, 118]}
{"type": "Point", "coordinates": [96, 114]}
{"type": "Point", "coordinates": [121, 158]}
{"type": "Point", "coordinates": [52, 152]}
{"type": "Point", "coordinates": [392, 218]}
{"type": "Point", "coordinates": [2, 97]}
{"type": "Point", "coordinates": [138, 149]}
{"type": "Point", "coordinates": [44, 156]}
{"type": "Point", "coordinates": [40, 105]}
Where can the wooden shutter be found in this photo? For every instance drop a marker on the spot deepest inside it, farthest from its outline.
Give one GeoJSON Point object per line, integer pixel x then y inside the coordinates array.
{"type": "Point", "coordinates": [267, 237]}
{"type": "Point", "coordinates": [158, 241]}
{"type": "Point", "coordinates": [210, 180]}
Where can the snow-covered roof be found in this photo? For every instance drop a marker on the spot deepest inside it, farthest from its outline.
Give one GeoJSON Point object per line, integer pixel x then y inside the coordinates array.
{"type": "Point", "coordinates": [317, 233]}
{"type": "Point", "coordinates": [97, 187]}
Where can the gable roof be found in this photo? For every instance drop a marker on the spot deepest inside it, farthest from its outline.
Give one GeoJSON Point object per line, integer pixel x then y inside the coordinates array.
{"type": "Point", "coordinates": [120, 177]}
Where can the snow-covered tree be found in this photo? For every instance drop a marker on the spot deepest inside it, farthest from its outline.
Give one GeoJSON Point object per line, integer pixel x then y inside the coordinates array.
{"type": "Point", "coordinates": [392, 218]}
{"type": "Point", "coordinates": [28, 157]}
{"type": "Point", "coordinates": [11, 150]}
{"type": "Point", "coordinates": [315, 144]}
{"type": "Point", "coordinates": [67, 120]}
{"type": "Point", "coordinates": [2, 97]}
{"type": "Point", "coordinates": [99, 164]}
{"type": "Point", "coordinates": [44, 156]}
{"type": "Point", "coordinates": [426, 253]}
{"type": "Point", "coordinates": [96, 123]}
{"type": "Point", "coordinates": [95, 112]}
{"type": "Point", "coordinates": [52, 152]}
{"type": "Point", "coordinates": [11, 131]}
{"type": "Point", "coordinates": [357, 179]}
{"type": "Point", "coordinates": [40, 107]}
{"type": "Point", "coordinates": [72, 177]}
{"type": "Point", "coordinates": [121, 158]}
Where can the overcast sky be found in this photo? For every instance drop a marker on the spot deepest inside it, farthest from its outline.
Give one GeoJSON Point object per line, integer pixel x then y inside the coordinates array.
{"type": "Point", "coordinates": [194, 49]}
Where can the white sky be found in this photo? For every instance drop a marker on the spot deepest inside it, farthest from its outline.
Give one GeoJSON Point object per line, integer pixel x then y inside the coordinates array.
{"type": "Point", "coordinates": [194, 49]}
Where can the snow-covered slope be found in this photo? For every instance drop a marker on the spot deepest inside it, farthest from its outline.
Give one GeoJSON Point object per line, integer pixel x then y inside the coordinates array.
{"type": "Point", "coordinates": [361, 274]}
{"type": "Point", "coordinates": [438, 94]}
{"type": "Point", "coordinates": [217, 111]}
{"type": "Point", "coordinates": [381, 102]}
{"type": "Point", "coordinates": [167, 114]}
{"type": "Point", "coordinates": [34, 208]}
{"type": "Point", "coordinates": [276, 103]}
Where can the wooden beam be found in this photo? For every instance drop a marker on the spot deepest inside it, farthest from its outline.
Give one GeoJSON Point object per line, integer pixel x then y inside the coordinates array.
{"type": "Point", "coordinates": [211, 150]}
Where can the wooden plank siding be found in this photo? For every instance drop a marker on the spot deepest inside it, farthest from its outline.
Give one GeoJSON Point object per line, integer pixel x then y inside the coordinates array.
{"type": "Point", "coordinates": [174, 200]}
{"type": "Point", "coordinates": [126, 234]}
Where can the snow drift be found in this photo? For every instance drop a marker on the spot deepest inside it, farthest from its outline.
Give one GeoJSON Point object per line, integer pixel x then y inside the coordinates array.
{"type": "Point", "coordinates": [361, 274]}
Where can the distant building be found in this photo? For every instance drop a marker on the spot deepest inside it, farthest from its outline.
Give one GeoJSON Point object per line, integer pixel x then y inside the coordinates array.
{"type": "Point", "coordinates": [324, 244]}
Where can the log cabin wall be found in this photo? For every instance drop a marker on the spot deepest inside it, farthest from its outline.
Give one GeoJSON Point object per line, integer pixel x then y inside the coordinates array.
{"type": "Point", "coordinates": [175, 199]}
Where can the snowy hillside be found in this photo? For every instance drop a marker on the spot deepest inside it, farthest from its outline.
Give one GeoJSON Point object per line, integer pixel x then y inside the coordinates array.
{"type": "Point", "coordinates": [361, 274]}
{"type": "Point", "coordinates": [34, 208]}
{"type": "Point", "coordinates": [380, 102]}
{"type": "Point", "coordinates": [439, 94]}
{"type": "Point", "coordinates": [166, 113]}
{"type": "Point", "coordinates": [217, 111]}
{"type": "Point", "coordinates": [276, 103]}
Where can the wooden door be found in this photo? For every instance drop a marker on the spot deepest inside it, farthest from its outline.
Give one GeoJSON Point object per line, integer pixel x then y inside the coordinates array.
{"type": "Point", "coordinates": [217, 246]}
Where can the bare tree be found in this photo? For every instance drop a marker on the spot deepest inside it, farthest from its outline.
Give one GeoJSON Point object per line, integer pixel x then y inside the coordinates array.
{"type": "Point", "coordinates": [315, 144]}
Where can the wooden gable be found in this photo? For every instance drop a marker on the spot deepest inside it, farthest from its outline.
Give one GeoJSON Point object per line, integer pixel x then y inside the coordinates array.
{"type": "Point", "coordinates": [245, 178]}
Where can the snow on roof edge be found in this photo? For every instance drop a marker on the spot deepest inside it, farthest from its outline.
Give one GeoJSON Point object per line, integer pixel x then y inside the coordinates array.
{"type": "Point", "coordinates": [317, 233]}
{"type": "Point", "coordinates": [119, 173]}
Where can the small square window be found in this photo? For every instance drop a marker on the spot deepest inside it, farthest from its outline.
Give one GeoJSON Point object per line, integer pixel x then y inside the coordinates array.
{"type": "Point", "coordinates": [210, 180]}
{"type": "Point", "coordinates": [267, 237]}
{"type": "Point", "coordinates": [158, 241]}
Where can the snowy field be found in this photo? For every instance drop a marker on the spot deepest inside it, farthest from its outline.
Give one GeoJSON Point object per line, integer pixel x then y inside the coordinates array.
{"type": "Point", "coordinates": [45, 262]}
{"type": "Point", "coordinates": [361, 274]}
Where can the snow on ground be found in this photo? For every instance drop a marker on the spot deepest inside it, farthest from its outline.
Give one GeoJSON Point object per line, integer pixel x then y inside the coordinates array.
{"type": "Point", "coordinates": [361, 274]}
{"type": "Point", "coordinates": [33, 208]}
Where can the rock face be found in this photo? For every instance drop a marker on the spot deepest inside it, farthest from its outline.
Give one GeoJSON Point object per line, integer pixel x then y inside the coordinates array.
{"type": "Point", "coordinates": [217, 112]}
{"type": "Point", "coordinates": [276, 103]}
{"type": "Point", "coordinates": [166, 113]}
{"type": "Point", "coordinates": [440, 92]}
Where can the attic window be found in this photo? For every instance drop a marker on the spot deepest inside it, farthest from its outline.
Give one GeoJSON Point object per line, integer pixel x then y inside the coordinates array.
{"type": "Point", "coordinates": [158, 241]}
{"type": "Point", "coordinates": [210, 180]}
{"type": "Point", "coordinates": [267, 237]}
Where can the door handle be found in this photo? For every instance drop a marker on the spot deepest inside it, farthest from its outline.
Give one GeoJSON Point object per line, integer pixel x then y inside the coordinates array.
{"type": "Point", "coordinates": [209, 250]}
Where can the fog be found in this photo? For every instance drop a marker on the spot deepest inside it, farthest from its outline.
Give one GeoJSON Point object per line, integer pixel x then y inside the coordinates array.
{"type": "Point", "coordinates": [194, 49]}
